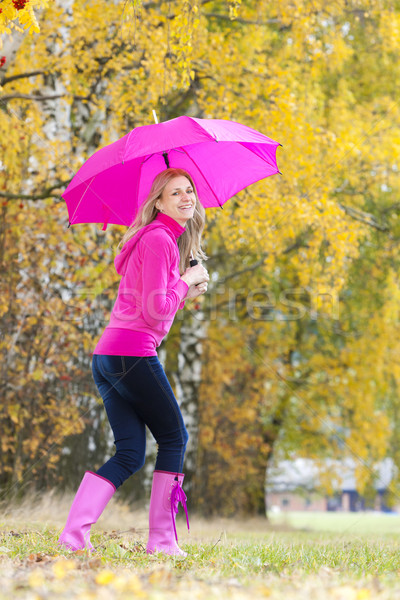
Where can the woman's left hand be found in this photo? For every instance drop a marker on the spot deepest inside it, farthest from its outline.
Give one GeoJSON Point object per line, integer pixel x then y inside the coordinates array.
{"type": "Point", "coordinates": [196, 290]}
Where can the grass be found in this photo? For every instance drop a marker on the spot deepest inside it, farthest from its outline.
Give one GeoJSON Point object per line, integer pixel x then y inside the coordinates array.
{"type": "Point", "coordinates": [340, 522]}
{"type": "Point", "coordinates": [298, 555]}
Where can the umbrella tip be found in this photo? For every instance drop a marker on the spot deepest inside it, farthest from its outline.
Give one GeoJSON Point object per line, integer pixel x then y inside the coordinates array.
{"type": "Point", "coordinates": [69, 224]}
{"type": "Point", "coordinates": [155, 117]}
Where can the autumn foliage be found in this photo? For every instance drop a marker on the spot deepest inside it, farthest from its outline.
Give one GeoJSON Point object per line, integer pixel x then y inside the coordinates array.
{"type": "Point", "coordinates": [19, 15]}
{"type": "Point", "coordinates": [301, 352]}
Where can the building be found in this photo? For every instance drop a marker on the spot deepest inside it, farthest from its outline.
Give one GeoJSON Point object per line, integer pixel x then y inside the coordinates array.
{"type": "Point", "coordinates": [293, 485]}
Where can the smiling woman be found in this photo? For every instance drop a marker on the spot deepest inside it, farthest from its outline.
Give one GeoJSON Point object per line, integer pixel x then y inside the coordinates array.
{"type": "Point", "coordinates": [171, 191]}
{"type": "Point", "coordinates": [130, 378]}
{"type": "Point", "coordinates": [178, 200]}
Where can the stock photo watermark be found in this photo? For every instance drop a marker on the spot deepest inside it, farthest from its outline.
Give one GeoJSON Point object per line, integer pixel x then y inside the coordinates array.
{"type": "Point", "coordinates": [232, 304]}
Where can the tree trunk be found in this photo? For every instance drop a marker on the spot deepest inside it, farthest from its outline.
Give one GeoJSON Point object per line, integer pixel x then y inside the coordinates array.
{"type": "Point", "coordinates": [187, 380]}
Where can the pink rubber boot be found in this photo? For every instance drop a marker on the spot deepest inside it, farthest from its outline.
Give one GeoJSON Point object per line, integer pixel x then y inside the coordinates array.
{"type": "Point", "coordinates": [166, 493]}
{"type": "Point", "coordinates": [90, 500]}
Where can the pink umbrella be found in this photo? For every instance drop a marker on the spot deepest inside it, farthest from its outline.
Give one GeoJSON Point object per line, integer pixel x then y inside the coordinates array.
{"type": "Point", "coordinates": [223, 157]}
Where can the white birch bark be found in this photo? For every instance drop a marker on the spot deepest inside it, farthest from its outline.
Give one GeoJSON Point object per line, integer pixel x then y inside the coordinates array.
{"type": "Point", "coordinates": [187, 381]}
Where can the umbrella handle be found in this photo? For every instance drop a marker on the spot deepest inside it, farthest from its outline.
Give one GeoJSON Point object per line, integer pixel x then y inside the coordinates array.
{"type": "Point", "coordinates": [193, 263]}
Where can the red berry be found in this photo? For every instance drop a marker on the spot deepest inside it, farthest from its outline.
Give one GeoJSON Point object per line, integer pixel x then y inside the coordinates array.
{"type": "Point", "coordinates": [2, 61]}
{"type": "Point", "coordinates": [19, 4]}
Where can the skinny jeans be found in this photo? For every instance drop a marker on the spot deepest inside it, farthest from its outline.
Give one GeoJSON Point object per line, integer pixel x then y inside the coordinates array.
{"type": "Point", "coordinates": [136, 392]}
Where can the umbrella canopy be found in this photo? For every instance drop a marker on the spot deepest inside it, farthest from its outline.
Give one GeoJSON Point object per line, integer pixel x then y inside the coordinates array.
{"type": "Point", "coordinates": [223, 157]}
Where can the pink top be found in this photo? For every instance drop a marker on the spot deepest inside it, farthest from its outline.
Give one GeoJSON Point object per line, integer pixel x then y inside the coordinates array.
{"type": "Point", "coordinates": [150, 291]}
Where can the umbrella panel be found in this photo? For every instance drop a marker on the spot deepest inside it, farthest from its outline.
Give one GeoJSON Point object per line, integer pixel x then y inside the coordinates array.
{"type": "Point", "coordinates": [113, 195]}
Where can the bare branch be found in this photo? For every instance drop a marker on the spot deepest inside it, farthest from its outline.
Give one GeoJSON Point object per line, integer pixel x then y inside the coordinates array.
{"type": "Point", "coordinates": [45, 194]}
{"type": "Point", "coordinates": [388, 209]}
{"type": "Point", "coordinates": [158, 4]}
{"type": "Point", "coordinates": [8, 97]}
{"type": "Point", "coordinates": [252, 267]}
{"type": "Point", "coordinates": [297, 244]}
{"type": "Point", "coordinates": [363, 217]}
{"type": "Point", "coordinates": [212, 15]}
{"type": "Point", "coordinates": [21, 76]}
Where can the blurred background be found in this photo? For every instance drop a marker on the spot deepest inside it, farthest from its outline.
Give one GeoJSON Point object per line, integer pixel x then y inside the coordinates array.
{"type": "Point", "coordinates": [288, 370]}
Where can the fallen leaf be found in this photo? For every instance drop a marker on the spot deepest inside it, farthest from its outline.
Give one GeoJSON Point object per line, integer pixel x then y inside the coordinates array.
{"type": "Point", "coordinates": [363, 594]}
{"type": "Point", "coordinates": [105, 577]}
{"type": "Point", "coordinates": [94, 563]}
{"type": "Point", "coordinates": [161, 575]}
{"type": "Point", "coordinates": [62, 567]}
{"type": "Point", "coordinates": [135, 585]}
{"type": "Point", "coordinates": [37, 578]}
{"type": "Point", "coordinates": [36, 557]}
{"type": "Point", "coordinates": [263, 590]}
{"type": "Point", "coordinates": [124, 545]}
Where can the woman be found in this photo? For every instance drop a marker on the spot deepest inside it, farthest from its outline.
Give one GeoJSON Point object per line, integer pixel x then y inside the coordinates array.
{"type": "Point", "coordinates": [156, 281]}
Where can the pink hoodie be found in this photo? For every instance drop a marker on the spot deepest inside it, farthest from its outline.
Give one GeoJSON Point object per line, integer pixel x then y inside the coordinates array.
{"type": "Point", "coordinates": [150, 291]}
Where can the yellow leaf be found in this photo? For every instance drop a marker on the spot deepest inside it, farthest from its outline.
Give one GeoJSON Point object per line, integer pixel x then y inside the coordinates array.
{"type": "Point", "coordinates": [62, 567]}
{"type": "Point", "coordinates": [37, 578]}
{"type": "Point", "coordinates": [364, 594]}
{"type": "Point", "coordinates": [105, 577]}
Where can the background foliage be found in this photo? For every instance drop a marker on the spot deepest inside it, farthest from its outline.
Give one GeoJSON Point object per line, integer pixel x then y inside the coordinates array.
{"type": "Point", "coordinates": [300, 355]}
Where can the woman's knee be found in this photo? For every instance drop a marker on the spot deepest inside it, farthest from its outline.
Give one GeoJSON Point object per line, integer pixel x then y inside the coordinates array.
{"type": "Point", "coordinates": [177, 440]}
{"type": "Point", "coordinates": [131, 460]}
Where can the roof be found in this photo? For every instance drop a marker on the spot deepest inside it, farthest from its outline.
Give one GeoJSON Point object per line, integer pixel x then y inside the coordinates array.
{"type": "Point", "coordinates": [303, 473]}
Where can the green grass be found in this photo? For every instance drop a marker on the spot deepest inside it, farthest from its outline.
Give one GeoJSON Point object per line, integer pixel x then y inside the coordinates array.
{"type": "Point", "coordinates": [340, 522]}
{"type": "Point", "coordinates": [312, 556]}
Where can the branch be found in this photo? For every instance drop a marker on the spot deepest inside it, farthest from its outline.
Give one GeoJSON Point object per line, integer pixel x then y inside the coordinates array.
{"type": "Point", "coordinates": [158, 4]}
{"type": "Point", "coordinates": [363, 217]}
{"type": "Point", "coordinates": [394, 206]}
{"type": "Point", "coordinates": [252, 267]}
{"type": "Point", "coordinates": [46, 194]}
{"type": "Point", "coordinates": [297, 244]}
{"type": "Point", "coordinates": [212, 15]}
{"type": "Point", "coordinates": [21, 76]}
{"type": "Point", "coordinates": [8, 97]}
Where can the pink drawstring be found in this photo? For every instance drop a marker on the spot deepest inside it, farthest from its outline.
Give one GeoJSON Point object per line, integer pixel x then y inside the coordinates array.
{"type": "Point", "coordinates": [178, 495]}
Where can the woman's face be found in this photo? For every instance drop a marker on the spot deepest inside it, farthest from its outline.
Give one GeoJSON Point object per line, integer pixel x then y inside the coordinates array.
{"type": "Point", "coordinates": [178, 199]}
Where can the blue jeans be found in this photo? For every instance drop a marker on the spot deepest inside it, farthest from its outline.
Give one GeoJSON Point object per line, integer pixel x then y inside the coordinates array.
{"type": "Point", "coordinates": [136, 393]}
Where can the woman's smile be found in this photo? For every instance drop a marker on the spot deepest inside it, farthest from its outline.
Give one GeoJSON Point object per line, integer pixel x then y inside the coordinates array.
{"type": "Point", "coordinates": [178, 199]}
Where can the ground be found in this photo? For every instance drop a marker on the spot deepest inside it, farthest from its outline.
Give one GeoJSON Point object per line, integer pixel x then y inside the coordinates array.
{"type": "Point", "coordinates": [321, 556]}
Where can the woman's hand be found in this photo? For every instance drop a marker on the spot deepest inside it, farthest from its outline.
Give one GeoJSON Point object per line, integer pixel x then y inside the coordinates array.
{"type": "Point", "coordinates": [196, 290]}
{"type": "Point", "coordinates": [194, 275]}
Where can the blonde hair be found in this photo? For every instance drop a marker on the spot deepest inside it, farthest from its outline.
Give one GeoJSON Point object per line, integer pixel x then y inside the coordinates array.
{"type": "Point", "coordinates": [190, 240]}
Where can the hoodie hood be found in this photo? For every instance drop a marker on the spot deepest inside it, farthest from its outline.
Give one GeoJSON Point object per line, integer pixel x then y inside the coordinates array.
{"type": "Point", "coordinates": [161, 220]}
{"type": "Point", "coordinates": [121, 260]}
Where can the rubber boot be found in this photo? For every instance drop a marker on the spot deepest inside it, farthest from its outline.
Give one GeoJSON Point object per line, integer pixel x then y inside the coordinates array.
{"type": "Point", "coordinates": [90, 500]}
{"type": "Point", "coordinates": [166, 493]}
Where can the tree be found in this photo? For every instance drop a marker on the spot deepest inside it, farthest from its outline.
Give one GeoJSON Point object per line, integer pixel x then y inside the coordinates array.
{"type": "Point", "coordinates": [284, 254]}
{"type": "Point", "coordinates": [13, 12]}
